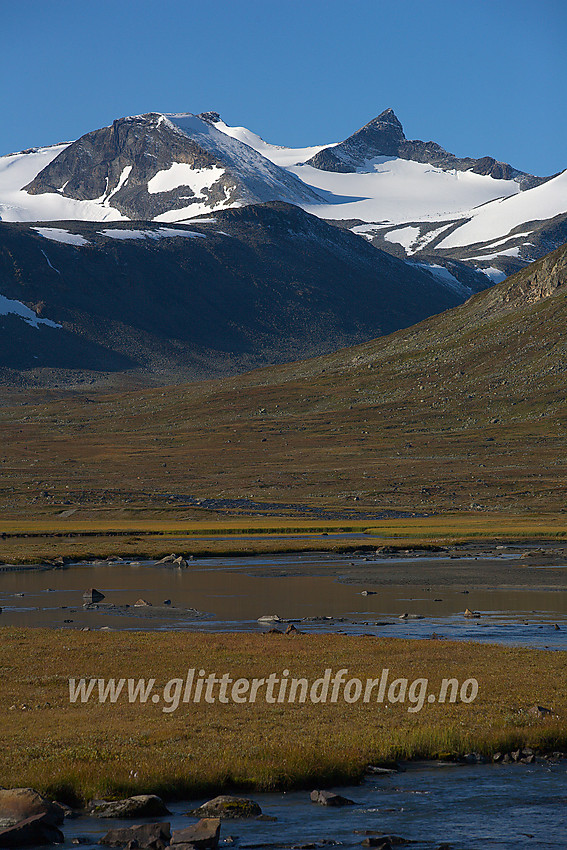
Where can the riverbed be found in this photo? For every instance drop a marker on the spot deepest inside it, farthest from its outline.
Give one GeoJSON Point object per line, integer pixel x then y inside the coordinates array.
{"type": "Point", "coordinates": [468, 807]}
{"type": "Point", "coordinates": [525, 603]}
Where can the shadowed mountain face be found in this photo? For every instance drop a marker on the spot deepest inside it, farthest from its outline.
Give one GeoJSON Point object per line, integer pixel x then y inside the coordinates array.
{"type": "Point", "coordinates": [384, 136]}
{"type": "Point", "coordinates": [150, 165]}
{"type": "Point", "coordinates": [259, 284]}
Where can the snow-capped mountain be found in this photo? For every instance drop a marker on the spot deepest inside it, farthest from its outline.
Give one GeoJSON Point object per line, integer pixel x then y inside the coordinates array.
{"type": "Point", "coordinates": [410, 198]}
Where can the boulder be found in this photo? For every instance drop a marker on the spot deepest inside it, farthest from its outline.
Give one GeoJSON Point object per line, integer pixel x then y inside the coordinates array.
{"type": "Point", "coordinates": [142, 603]}
{"type": "Point", "coordinates": [169, 559]}
{"type": "Point", "coordinates": [269, 618]}
{"type": "Point", "coordinates": [226, 806]}
{"type": "Point", "coordinates": [147, 836]}
{"type": "Point", "coordinates": [471, 614]}
{"type": "Point", "coordinates": [328, 798]}
{"type": "Point", "coordinates": [180, 562]}
{"type": "Point", "coordinates": [93, 595]}
{"type": "Point", "coordinates": [139, 806]}
{"type": "Point", "coordinates": [539, 711]}
{"type": "Point", "coordinates": [203, 835]}
{"type": "Point", "coordinates": [17, 804]}
{"type": "Point", "coordinates": [34, 831]}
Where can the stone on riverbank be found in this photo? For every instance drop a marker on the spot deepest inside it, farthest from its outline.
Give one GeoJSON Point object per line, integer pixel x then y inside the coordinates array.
{"type": "Point", "coordinates": [18, 804]}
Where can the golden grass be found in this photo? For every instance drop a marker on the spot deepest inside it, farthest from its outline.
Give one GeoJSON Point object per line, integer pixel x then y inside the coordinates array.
{"type": "Point", "coordinates": [78, 751]}
{"type": "Point", "coordinates": [31, 541]}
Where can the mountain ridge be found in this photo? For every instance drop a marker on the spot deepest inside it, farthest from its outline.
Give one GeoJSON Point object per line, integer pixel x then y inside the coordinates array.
{"type": "Point", "coordinates": [384, 136]}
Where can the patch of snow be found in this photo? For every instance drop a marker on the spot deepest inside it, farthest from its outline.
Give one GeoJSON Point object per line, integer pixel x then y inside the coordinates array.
{"type": "Point", "coordinates": [122, 180]}
{"type": "Point", "coordinates": [429, 237]}
{"type": "Point", "coordinates": [445, 277]}
{"type": "Point", "coordinates": [496, 275]}
{"type": "Point", "coordinates": [49, 262]}
{"type": "Point", "coordinates": [498, 218]}
{"type": "Point", "coordinates": [404, 236]}
{"type": "Point", "coordinates": [16, 308]}
{"type": "Point", "coordinates": [508, 252]}
{"type": "Point", "coordinates": [494, 244]}
{"type": "Point", "coordinates": [183, 174]}
{"type": "Point", "coordinates": [161, 233]}
{"type": "Point", "coordinates": [56, 234]}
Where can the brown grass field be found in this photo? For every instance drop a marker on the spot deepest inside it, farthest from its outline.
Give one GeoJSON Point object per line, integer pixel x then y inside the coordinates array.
{"type": "Point", "coordinates": [79, 751]}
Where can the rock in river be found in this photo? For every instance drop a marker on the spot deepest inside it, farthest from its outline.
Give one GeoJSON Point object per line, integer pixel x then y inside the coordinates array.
{"type": "Point", "coordinates": [93, 595]}
{"type": "Point", "coordinates": [328, 798]}
{"type": "Point", "coordinates": [203, 835]}
{"type": "Point", "coordinates": [147, 836]}
{"type": "Point", "coordinates": [228, 807]}
{"type": "Point", "coordinates": [140, 806]}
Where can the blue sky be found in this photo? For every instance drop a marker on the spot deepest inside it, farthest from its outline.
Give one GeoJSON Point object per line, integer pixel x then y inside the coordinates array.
{"type": "Point", "coordinates": [477, 76]}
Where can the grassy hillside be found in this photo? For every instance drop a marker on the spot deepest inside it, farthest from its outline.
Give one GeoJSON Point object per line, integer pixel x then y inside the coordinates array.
{"type": "Point", "coordinates": [465, 411]}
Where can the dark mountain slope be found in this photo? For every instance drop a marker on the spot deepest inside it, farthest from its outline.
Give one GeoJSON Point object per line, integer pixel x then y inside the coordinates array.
{"type": "Point", "coordinates": [258, 284]}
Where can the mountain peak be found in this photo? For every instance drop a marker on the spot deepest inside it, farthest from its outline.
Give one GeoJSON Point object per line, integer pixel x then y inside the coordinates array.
{"type": "Point", "coordinates": [385, 130]}
{"type": "Point", "coordinates": [387, 117]}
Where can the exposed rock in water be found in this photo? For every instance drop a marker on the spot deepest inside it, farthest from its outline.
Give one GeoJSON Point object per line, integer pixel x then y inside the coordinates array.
{"type": "Point", "coordinates": [226, 806]}
{"type": "Point", "coordinates": [203, 835]}
{"type": "Point", "coordinates": [328, 798]}
{"type": "Point", "coordinates": [93, 595]}
{"type": "Point", "coordinates": [139, 806]}
{"type": "Point", "coordinates": [147, 836]}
